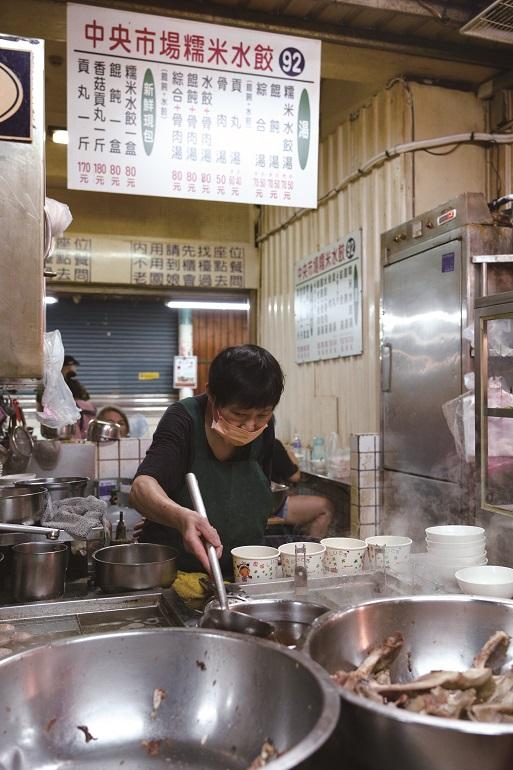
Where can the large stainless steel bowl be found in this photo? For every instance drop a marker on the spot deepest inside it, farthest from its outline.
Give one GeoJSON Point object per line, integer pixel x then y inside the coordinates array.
{"type": "Point", "coordinates": [441, 632]}
{"type": "Point", "coordinates": [21, 504]}
{"type": "Point", "coordinates": [59, 488]}
{"type": "Point", "coordinates": [225, 695]}
{"type": "Point", "coordinates": [135, 566]}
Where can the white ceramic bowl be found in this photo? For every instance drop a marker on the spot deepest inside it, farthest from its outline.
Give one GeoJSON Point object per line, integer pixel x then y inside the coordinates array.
{"type": "Point", "coordinates": [255, 563]}
{"type": "Point", "coordinates": [462, 552]}
{"type": "Point", "coordinates": [486, 580]}
{"type": "Point", "coordinates": [458, 563]}
{"type": "Point", "coordinates": [460, 547]}
{"type": "Point", "coordinates": [314, 558]}
{"type": "Point", "coordinates": [392, 550]}
{"type": "Point", "coordinates": [454, 533]}
{"type": "Point", "coordinates": [344, 555]}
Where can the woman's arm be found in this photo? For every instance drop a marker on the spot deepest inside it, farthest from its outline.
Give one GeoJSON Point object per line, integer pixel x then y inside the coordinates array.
{"type": "Point", "coordinates": [148, 497]}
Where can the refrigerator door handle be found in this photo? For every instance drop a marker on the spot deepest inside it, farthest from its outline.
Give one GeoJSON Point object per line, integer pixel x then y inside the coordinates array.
{"type": "Point", "coordinates": [386, 367]}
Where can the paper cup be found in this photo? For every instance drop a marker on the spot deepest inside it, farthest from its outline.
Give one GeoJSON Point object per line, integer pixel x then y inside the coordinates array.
{"type": "Point", "coordinates": [344, 555]}
{"type": "Point", "coordinates": [392, 551]}
{"type": "Point", "coordinates": [255, 563]}
{"type": "Point", "coordinates": [314, 559]}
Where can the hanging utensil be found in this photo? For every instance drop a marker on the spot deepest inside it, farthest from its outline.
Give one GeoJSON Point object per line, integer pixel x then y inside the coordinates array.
{"type": "Point", "coordinates": [223, 618]}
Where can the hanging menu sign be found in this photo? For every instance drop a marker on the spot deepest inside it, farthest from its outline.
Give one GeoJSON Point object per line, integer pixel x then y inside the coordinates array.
{"type": "Point", "coordinates": [176, 108]}
{"type": "Point", "coordinates": [155, 262]}
{"type": "Point", "coordinates": [328, 301]}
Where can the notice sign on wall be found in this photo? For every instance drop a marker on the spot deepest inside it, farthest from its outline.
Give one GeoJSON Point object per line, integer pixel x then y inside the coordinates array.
{"type": "Point", "coordinates": [175, 108]}
{"type": "Point", "coordinates": [86, 258]}
{"type": "Point", "coordinates": [328, 301]}
{"type": "Point", "coordinates": [185, 372]}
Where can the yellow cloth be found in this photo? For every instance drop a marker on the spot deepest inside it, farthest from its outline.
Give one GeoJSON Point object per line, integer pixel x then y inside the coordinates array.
{"type": "Point", "coordinates": [187, 585]}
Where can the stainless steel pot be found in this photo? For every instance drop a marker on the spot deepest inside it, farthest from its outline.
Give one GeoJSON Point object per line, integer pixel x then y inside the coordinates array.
{"type": "Point", "coordinates": [59, 488]}
{"type": "Point", "coordinates": [39, 571]}
{"type": "Point", "coordinates": [291, 619]}
{"type": "Point", "coordinates": [103, 430]}
{"type": "Point", "coordinates": [134, 566]}
{"type": "Point", "coordinates": [225, 694]}
{"type": "Point", "coordinates": [21, 504]}
{"type": "Point", "coordinates": [441, 632]}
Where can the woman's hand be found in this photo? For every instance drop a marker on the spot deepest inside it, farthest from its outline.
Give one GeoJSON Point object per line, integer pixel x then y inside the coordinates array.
{"type": "Point", "coordinates": [194, 529]}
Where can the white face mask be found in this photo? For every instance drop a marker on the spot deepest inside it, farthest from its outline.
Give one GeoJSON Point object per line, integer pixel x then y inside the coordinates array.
{"type": "Point", "coordinates": [232, 433]}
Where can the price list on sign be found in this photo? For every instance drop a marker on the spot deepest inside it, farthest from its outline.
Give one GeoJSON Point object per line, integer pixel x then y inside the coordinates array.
{"type": "Point", "coordinates": [175, 108]}
{"type": "Point", "coordinates": [328, 302]}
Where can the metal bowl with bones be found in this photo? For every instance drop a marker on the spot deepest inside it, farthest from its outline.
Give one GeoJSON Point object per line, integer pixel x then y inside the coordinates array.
{"type": "Point", "coordinates": [426, 682]}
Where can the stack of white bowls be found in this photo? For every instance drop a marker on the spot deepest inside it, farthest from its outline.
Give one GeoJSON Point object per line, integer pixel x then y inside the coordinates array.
{"type": "Point", "coordinates": [452, 547]}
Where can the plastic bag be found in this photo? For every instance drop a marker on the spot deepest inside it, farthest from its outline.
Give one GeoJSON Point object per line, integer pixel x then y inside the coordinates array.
{"type": "Point", "coordinates": [460, 417]}
{"type": "Point", "coordinates": [59, 406]}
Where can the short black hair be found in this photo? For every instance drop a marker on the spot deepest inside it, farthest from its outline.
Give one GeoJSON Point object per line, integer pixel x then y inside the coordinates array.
{"type": "Point", "coordinates": [246, 375]}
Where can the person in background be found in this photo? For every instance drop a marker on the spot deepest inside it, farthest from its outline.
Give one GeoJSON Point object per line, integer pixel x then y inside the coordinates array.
{"type": "Point", "coordinates": [69, 372]}
{"type": "Point", "coordinates": [115, 414]}
{"type": "Point", "coordinates": [225, 437]}
{"type": "Point", "coordinates": [79, 393]}
{"type": "Point", "coordinates": [311, 512]}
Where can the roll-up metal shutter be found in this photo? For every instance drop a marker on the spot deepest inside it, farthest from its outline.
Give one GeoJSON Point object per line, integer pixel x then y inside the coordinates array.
{"type": "Point", "coordinates": [121, 344]}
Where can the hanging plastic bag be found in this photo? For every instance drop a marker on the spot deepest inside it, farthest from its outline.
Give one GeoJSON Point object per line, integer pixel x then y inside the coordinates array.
{"type": "Point", "coordinates": [59, 406]}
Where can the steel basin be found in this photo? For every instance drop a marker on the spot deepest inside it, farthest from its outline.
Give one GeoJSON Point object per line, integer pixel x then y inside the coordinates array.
{"type": "Point", "coordinates": [441, 632]}
{"type": "Point", "coordinates": [291, 619]}
{"type": "Point", "coordinates": [135, 566]}
{"type": "Point", "coordinates": [226, 694]}
{"type": "Point", "coordinates": [21, 504]}
{"type": "Point", "coordinates": [59, 488]}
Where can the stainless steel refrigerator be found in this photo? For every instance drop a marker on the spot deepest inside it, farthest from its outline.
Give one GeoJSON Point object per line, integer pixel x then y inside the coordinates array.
{"type": "Point", "coordinates": [433, 268]}
{"type": "Point", "coordinates": [22, 175]}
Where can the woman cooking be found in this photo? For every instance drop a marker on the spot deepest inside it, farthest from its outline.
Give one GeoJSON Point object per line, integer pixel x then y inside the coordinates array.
{"type": "Point", "coordinates": [225, 437]}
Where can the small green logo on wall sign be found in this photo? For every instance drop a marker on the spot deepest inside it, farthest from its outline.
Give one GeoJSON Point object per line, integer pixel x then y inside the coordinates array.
{"type": "Point", "coordinates": [303, 129]}
{"type": "Point", "coordinates": [148, 112]}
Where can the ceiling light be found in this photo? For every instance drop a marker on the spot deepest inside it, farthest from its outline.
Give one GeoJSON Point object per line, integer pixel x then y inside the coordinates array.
{"type": "Point", "coordinates": [58, 135]}
{"type": "Point", "coordinates": [51, 300]}
{"type": "Point", "coordinates": [188, 304]}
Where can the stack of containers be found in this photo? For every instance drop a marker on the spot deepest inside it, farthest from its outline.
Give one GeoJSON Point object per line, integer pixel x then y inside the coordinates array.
{"type": "Point", "coordinates": [452, 547]}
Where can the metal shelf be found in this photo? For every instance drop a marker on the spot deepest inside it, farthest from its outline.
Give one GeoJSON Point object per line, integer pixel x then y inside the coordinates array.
{"type": "Point", "coordinates": [500, 412]}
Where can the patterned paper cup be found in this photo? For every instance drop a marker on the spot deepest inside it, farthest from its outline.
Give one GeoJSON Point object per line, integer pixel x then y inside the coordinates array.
{"type": "Point", "coordinates": [391, 550]}
{"type": "Point", "coordinates": [344, 555]}
{"type": "Point", "coordinates": [255, 563]}
{"type": "Point", "coordinates": [314, 558]}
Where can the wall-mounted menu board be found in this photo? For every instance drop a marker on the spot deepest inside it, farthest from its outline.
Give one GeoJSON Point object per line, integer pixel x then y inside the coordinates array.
{"type": "Point", "coordinates": [328, 301]}
{"type": "Point", "coordinates": [178, 108]}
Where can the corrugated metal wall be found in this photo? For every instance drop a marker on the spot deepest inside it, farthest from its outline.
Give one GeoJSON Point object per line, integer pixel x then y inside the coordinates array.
{"type": "Point", "coordinates": [340, 394]}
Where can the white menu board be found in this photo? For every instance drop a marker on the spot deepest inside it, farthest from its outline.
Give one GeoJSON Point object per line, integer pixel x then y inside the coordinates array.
{"type": "Point", "coordinates": [176, 108]}
{"type": "Point", "coordinates": [328, 301]}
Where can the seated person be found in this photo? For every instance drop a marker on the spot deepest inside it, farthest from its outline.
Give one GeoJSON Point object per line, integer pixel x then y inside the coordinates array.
{"type": "Point", "coordinates": [312, 512]}
{"type": "Point", "coordinates": [115, 414]}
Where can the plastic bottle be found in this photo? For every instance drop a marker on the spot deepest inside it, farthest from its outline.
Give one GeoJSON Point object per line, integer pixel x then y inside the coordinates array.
{"type": "Point", "coordinates": [297, 447]}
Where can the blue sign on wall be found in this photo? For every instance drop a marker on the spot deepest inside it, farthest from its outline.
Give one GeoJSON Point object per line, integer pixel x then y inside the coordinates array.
{"type": "Point", "coordinates": [15, 95]}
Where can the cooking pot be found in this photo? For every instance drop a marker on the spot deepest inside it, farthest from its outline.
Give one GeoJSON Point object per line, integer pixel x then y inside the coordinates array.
{"type": "Point", "coordinates": [135, 566]}
{"type": "Point", "coordinates": [291, 618]}
{"type": "Point", "coordinates": [21, 504]}
{"type": "Point", "coordinates": [279, 494]}
{"type": "Point", "coordinates": [441, 632]}
{"type": "Point", "coordinates": [59, 488]}
{"type": "Point", "coordinates": [103, 430]}
{"type": "Point", "coordinates": [93, 701]}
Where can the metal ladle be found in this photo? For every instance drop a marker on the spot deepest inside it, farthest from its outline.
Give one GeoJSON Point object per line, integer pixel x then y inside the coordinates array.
{"type": "Point", "coordinates": [223, 618]}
